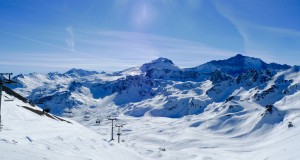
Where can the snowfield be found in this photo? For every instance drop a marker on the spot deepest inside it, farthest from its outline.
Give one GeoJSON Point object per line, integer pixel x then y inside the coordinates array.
{"type": "Point", "coordinates": [203, 137]}
{"type": "Point", "coordinates": [28, 136]}
{"type": "Point", "coordinates": [235, 109]}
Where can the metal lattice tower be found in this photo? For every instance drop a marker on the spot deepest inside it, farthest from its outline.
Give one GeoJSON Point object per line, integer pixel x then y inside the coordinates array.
{"type": "Point", "coordinates": [4, 80]}
{"type": "Point", "coordinates": [112, 119]}
{"type": "Point", "coordinates": [119, 131]}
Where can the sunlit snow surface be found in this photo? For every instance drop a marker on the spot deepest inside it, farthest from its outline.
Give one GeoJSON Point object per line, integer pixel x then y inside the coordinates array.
{"type": "Point", "coordinates": [169, 113]}
{"type": "Point", "coordinates": [205, 137]}
{"type": "Point", "coordinates": [28, 136]}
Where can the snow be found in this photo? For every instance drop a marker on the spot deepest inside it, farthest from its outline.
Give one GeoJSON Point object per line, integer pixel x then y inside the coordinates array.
{"type": "Point", "coordinates": [26, 135]}
{"type": "Point", "coordinates": [132, 71]}
{"type": "Point", "coordinates": [160, 63]}
{"type": "Point", "coordinates": [169, 113]}
{"type": "Point", "coordinates": [182, 141]}
{"type": "Point", "coordinates": [243, 131]}
{"type": "Point", "coordinates": [253, 63]}
{"type": "Point", "coordinates": [238, 64]}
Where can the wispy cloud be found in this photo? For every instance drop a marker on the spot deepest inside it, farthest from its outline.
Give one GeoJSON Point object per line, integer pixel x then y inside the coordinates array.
{"type": "Point", "coordinates": [143, 47]}
{"type": "Point", "coordinates": [115, 50]}
{"type": "Point", "coordinates": [89, 9]}
{"type": "Point", "coordinates": [35, 40]}
{"type": "Point", "coordinates": [273, 43]}
{"type": "Point", "coordinates": [276, 30]}
{"type": "Point", "coordinates": [70, 41]}
{"type": "Point", "coordinates": [37, 62]}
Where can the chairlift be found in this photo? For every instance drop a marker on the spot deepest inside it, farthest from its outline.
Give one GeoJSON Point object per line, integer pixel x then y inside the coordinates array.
{"type": "Point", "coordinates": [86, 112]}
{"type": "Point", "coordinates": [98, 121]}
{"type": "Point", "coordinates": [86, 117]}
{"type": "Point", "coordinates": [68, 113]}
{"type": "Point", "coordinates": [162, 149]}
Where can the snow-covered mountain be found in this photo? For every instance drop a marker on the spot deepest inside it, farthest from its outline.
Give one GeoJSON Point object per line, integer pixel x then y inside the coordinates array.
{"type": "Point", "coordinates": [80, 72]}
{"type": "Point", "coordinates": [234, 99]}
{"type": "Point", "coordinates": [159, 79]}
{"type": "Point", "coordinates": [237, 65]}
{"type": "Point", "coordinates": [160, 63]}
{"type": "Point", "coordinates": [29, 134]}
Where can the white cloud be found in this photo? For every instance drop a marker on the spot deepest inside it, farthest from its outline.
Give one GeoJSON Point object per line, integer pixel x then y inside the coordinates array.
{"type": "Point", "coordinates": [272, 43]}
{"type": "Point", "coordinates": [114, 51]}
{"type": "Point", "coordinates": [70, 41]}
{"type": "Point", "coordinates": [143, 47]}
{"type": "Point", "coordinates": [45, 43]}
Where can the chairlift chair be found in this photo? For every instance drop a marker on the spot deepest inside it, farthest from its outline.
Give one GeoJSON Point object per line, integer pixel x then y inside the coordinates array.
{"type": "Point", "coordinates": [86, 117]}
{"type": "Point", "coordinates": [69, 114]}
{"type": "Point", "coordinates": [98, 121]}
{"type": "Point", "coordinates": [68, 111]}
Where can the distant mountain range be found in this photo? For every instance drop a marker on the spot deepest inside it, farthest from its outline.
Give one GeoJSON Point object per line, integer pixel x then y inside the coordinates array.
{"type": "Point", "coordinates": [226, 107]}
{"type": "Point", "coordinates": [180, 91]}
{"type": "Point", "coordinates": [238, 64]}
{"type": "Point", "coordinates": [237, 96]}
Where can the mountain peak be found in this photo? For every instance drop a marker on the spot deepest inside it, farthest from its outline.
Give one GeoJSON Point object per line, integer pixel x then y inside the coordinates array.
{"type": "Point", "coordinates": [160, 63]}
{"type": "Point", "coordinates": [74, 72]}
{"type": "Point", "coordinates": [238, 64]}
{"type": "Point", "coordinates": [162, 60]}
{"type": "Point", "coordinates": [239, 56]}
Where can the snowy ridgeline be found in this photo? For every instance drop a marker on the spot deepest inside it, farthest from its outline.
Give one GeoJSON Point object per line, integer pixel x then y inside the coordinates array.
{"type": "Point", "coordinates": [27, 135]}
{"type": "Point", "coordinates": [160, 88]}
{"type": "Point", "coordinates": [239, 108]}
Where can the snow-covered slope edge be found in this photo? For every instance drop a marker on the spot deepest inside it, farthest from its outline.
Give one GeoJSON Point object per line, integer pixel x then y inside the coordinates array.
{"type": "Point", "coordinates": [238, 131]}
{"type": "Point", "coordinates": [26, 135]}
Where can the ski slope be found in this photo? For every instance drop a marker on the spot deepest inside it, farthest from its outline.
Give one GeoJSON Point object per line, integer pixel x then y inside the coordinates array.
{"type": "Point", "coordinates": [213, 136]}
{"type": "Point", "coordinates": [28, 136]}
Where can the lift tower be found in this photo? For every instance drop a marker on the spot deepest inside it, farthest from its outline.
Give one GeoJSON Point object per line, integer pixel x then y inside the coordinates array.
{"type": "Point", "coordinates": [119, 131]}
{"type": "Point", "coordinates": [4, 80]}
{"type": "Point", "coordinates": [112, 119]}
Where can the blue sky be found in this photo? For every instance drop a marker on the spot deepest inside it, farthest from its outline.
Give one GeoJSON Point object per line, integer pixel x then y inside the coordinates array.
{"type": "Point", "coordinates": [111, 35]}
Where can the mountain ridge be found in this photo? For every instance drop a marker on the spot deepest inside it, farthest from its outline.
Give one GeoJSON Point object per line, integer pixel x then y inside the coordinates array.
{"type": "Point", "coordinates": [238, 64]}
{"type": "Point", "coordinates": [243, 63]}
{"type": "Point", "coordinates": [248, 106]}
{"type": "Point", "coordinates": [78, 88]}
